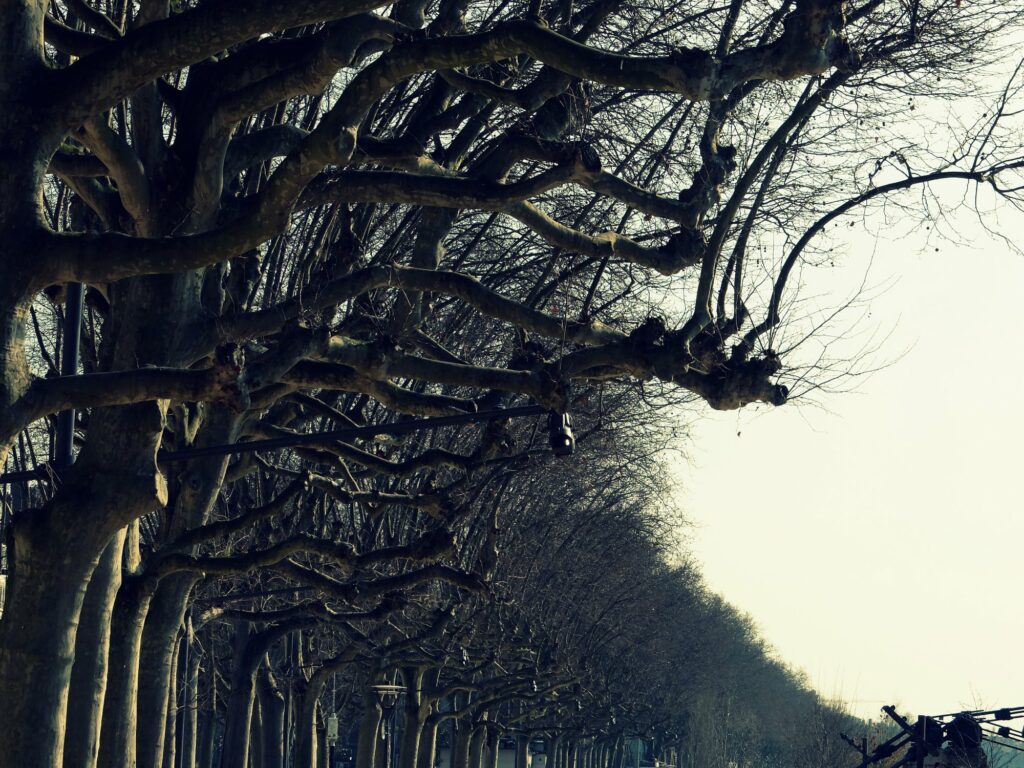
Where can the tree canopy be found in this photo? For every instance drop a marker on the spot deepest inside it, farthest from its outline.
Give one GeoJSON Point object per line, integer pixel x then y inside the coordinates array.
{"type": "Point", "coordinates": [263, 220]}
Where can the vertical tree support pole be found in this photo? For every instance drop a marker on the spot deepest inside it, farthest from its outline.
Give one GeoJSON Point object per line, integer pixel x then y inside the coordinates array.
{"type": "Point", "coordinates": [63, 454]}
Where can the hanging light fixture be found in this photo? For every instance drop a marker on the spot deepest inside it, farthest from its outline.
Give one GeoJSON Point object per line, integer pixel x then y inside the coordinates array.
{"type": "Point", "coordinates": [560, 436]}
{"type": "Point", "coordinates": [387, 696]}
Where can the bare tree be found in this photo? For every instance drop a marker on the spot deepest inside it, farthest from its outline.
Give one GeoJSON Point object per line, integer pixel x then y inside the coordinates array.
{"type": "Point", "coordinates": [307, 215]}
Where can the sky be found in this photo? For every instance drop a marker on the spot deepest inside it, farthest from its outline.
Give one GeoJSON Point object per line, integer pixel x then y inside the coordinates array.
{"type": "Point", "coordinates": [876, 536]}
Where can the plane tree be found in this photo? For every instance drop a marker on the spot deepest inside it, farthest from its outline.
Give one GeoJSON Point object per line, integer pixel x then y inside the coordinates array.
{"type": "Point", "coordinates": [324, 213]}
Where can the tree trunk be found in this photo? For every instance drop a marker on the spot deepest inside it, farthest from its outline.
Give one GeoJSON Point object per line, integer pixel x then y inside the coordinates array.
{"type": "Point", "coordinates": [461, 744]}
{"type": "Point", "coordinates": [305, 730]}
{"type": "Point", "coordinates": [522, 751]}
{"type": "Point", "coordinates": [414, 716]}
{"type": "Point", "coordinates": [117, 737]}
{"type": "Point", "coordinates": [369, 731]}
{"type": "Point", "coordinates": [92, 649]}
{"type": "Point", "coordinates": [249, 651]}
{"type": "Point", "coordinates": [53, 559]}
{"type": "Point", "coordinates": [272, 709]}
{"type": "Point", "coordinates": [54, 552]}
{"type": "Point", "coordinates": [169, 752]}
{"type": "Point", "coordinates": [493, 754]}
{"type": "Point", "coordinates": [324, 753]}
{"type": "Point", "coordinates": [618, 753]}
{"type": "Point", "coordinates": [256, 736]}
{"type": "Point", "coordinates": [428, 744]}
{"type": "Point", "coordinates": [209, 736]}
{"type": "Point", "coordinates": [240, 704]}
{"type": "Point", "coordinates": [380, 753]}
{"type": "Point", "coordinates": [156, 666]}
{"type": "Point", "coordinates": [190, 699]}
{"type": "Point", "coordinates": [476, 747]}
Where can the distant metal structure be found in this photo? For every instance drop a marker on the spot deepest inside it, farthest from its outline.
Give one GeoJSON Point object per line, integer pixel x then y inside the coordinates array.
{"type": "Point", "coordinates": [952, 740]}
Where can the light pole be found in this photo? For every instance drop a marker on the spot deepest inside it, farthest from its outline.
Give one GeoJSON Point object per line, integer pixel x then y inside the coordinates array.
{"type": "Point", "coordinates": [387, 696]}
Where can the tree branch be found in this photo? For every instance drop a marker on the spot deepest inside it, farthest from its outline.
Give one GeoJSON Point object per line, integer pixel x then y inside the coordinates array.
{"type": "Point", "coordinates": [117, 70]}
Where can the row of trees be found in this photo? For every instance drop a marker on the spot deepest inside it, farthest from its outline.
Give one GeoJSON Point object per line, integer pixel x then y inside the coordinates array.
{"type": "Point", "coordinates": [295, 217]}
{"type": "Point", "coordinates": [586, 637]}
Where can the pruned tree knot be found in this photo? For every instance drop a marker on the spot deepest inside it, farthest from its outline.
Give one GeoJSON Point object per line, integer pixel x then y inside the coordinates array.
{"type": "Point", "coordinates": [648, 333]}
{"type": "Point", "coordinates": [726, 159]}
{"type": "Point", "coordinates": [691, 60]}
{"type": "Point", "coordinates": [345, 145]}
{"type": "Point", "coordinates": [555, 391]}
{"type": "Point", "coordinates": [843, 56]}
{"type": "Point", "coordinates": [434, 545]}
{"type": "Point", "coordinates": [585, 157]}
{"type": "Point", "coordinates": [226, 385]}
{"type": "Point", "coordinates": [682, 250]}
{"type": "Point", "coordinates": [227, 355]}
{"type": "Point", "coordinates": [780, 395]}
{"type": "Point", "coordinates": [531, 356]}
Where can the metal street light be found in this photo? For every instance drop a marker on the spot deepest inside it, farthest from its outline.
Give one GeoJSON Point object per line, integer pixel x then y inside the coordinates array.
{"type": "Point", "coordinates": [387, 696]}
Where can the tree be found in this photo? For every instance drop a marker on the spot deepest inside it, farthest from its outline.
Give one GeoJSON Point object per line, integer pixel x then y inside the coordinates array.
{"type": "Point", "coordinates": [320, 214]}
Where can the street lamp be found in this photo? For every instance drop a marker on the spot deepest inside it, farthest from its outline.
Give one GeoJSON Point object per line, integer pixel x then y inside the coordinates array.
{"type": "Point", "coordinates": [387, 697]}
{"type": "Point", "coordinates": [560, 436]}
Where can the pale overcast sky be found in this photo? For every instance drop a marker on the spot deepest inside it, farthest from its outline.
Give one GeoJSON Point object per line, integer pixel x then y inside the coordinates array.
{"type": "Point", "coordinates": [879, 546]}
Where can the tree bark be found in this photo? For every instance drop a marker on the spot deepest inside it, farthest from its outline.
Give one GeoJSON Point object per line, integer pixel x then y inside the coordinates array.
{"type": "Point", "coordinates": [272, 708]}
{"type": "Point", "coordinates": [256, 735]}
{"type": "Point", "coordinates": [414, 717]}
{"type": "Point", "coordinates": [324, 753]}
{"type": "Point", "coordinates": [369, 731]}
{"type": "Point", "coordinates": [461, 743]}
{"type": "Point", "coordinates": [493, 748]}
{"type": "Point", "coordinates": [209, 735]}
{"type": "Point", "coordinates": [117, 737]}
{"type": "Point", "coordinates": [196, 491]}
{"type": "Point", "coordinates": [240, 701]}
{"type": "Point", "coordinates": [52, 562]}
{"type": "Point", "coordinates": [305, 729]}
{"type": "Point", "coordinates": [157, 665]}
{"type": "Point", "coordinates": [190, 712]}
{"type": "Point", "coordinates": [168, 753]}
{"type": "Point", "coordinates": [428, 744]}
{"type": "Point", "coordinates": [92, 649]}
{"type": "Point", "coordinates": [522, 751]}
{"type": "Point", "coordinates": [476, 746]}
{"type": "Point", "coordinates": [618, 753]}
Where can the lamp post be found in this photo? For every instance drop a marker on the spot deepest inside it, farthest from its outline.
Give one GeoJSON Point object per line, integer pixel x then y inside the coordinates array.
{"type": "Point", "coordinates": [387, 696]}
